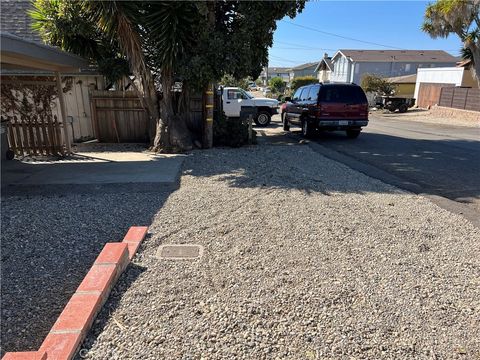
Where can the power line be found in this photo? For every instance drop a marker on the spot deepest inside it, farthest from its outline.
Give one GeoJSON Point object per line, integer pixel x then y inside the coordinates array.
{"type": "Point", "coordinates": [340, 36]}
{"type": "Point", "coordinates": [290, 60]}
{"type": "Point", "coordinates": [297, 48]}
{"type": "Point", "coordinates": [296, 45]}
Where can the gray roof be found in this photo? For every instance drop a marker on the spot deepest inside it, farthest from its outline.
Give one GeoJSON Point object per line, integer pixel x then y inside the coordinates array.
{"type": "Point", "coordinates": [278, 70]}
{"type": "Point", "coordinates": [305, 66]}
{"type": "Point", "coordinates": [23, 54]}
{"type": "Point", "coordinates": [327, 61]}
{"type": "Point", "coordinates": [425, 56]}
{"type": "Point", "coordinates": [15, 19]}
{"type": "Point", "coordinates": [404, 79]}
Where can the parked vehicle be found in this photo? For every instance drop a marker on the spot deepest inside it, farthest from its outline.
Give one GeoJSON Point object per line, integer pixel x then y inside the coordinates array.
{"type": "Point", "coordinates": [252, 87]}
{"type": "Point", "coordinates": [327, 107]}
{"type": "Point", "coordinates": [266, 91]}
{"type": "Point", "coordinates": [393, 103]}
{"type": "Point", "coordinates": [233, 98]}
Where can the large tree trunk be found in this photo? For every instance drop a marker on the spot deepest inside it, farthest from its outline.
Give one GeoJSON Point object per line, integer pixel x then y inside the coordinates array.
{"type": "Point", "coordinates": [172, 134]}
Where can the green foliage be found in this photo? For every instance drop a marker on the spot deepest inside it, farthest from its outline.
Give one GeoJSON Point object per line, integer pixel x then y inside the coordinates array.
{"type": "Point", "coordinates": [231, 132]}
{"type": "Point", "coordinates": [466, 54]}
{"type": "Point", "coordinates": [277, 84]}
{"type": "Point", "coordinates": [229, 80]}
{"type": "Point", "coordinates": [460, 17]}
{"type": "Point", "coordinates": [376, 84]}
{"type": "Point", "coordinates": [195, 42]}
{"type": "Point", "coordinates": [302, 81]}
{"type": "Point", "coordinates": [68, 25]}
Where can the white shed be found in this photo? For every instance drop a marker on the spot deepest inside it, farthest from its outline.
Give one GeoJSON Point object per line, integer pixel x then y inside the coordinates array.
{"type": "Point", "coordinates": [457, 76]}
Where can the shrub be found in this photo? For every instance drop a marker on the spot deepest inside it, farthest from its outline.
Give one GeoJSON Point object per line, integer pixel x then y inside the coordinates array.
{"type": "Point", "coordinates": [230, 131]}
{"type": "Point", "coordinates": [277, 84]}
{"type": "Point", "coordinates": [303, 80]}
{"type": "Point", "coordinates": [378, 85]}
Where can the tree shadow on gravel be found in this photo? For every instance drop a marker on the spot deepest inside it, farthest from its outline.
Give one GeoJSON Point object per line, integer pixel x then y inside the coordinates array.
{"type": "Point", "coordinates": [446, 167]}
{"type": "Point", "coordinates": [49, 242]}
{"type": "Point", "coordinates": [126, 280]}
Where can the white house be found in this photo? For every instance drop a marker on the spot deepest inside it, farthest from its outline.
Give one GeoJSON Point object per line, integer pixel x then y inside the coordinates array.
{"type": "Point", "coordinates": [352, 65]}
{"type": "Point", "coordinates": [324, 69]}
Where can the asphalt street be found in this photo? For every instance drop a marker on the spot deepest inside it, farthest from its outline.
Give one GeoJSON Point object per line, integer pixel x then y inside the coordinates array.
{"type": "Point", "coordinates": [433, 159]}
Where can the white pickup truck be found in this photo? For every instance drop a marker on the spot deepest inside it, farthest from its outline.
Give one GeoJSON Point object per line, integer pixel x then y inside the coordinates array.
{"type": "Point", "coordinates": [234, 98]}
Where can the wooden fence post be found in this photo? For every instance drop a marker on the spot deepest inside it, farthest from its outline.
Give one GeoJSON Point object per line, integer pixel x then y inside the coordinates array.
{"type": "Point", "coordinates": [63, 112]}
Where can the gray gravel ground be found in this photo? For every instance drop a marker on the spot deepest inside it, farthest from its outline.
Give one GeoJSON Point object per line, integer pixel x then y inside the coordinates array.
{"type": "Point", "coordinates": [48, 244]}
{"type": "Point", "coordinates": [304, 259]}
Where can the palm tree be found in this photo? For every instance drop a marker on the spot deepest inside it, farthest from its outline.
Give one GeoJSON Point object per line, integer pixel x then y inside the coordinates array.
{"type": "Point", "coordinates": [134, 30]}
{"type": "Point", "coordinates": [460, 17]}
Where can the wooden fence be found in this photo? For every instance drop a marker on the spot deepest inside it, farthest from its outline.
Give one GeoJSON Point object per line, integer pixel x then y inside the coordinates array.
{"type": "Point", "coordinates": [429, 94]}
{"type": "Point", "coordinates": [35, 135]}
{"type": "Point", "coordinates": [460, 98]}
{"type": "Point", "coordinates": [119, 116]}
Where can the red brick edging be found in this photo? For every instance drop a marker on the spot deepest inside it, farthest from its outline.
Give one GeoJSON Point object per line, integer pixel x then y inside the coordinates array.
{"type": "Point", "coordinates": [77, 317]}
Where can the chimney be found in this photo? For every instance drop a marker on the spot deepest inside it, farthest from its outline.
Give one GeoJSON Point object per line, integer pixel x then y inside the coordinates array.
{"type": "Point", "coordinates": [325, 55]}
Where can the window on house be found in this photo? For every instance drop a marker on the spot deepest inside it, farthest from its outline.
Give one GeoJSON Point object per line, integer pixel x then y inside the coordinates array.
{"type": "Point", "coordinates": [407, 67]}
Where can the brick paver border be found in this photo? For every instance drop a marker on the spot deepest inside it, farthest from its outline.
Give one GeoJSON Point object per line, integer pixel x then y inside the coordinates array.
{"type": "Point", "coordinates": [77, 317]}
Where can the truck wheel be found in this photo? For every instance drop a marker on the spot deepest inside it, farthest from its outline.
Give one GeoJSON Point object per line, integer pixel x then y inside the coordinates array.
{"type": "Point", "coordinates": [307, 129]}
{"type": "Point", "coordinates": [403, 108]}
{"type": "Point", "coordinates": [353, 134]}
{"type": "Point", "coordinates": [286, 125]}
{"type": "Point", "coordinates": [263, 118]}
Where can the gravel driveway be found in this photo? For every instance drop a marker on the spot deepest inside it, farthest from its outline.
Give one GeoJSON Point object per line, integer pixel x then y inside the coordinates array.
{"type": "Point", "coordinates": [304, 259]}
{"type": "Point", "coordinates": [48, 244]}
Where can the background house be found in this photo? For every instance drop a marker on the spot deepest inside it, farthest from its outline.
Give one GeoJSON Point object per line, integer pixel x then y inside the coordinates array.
{"type": "Point", "coordinates": [271, 72]}
{"type": "Point", "coordinates": [324, 69]}
{"type": "Point", "coordinates": [351, 65]}
{"type": "Point", "coordinates": [405, 85]}
{"type": "Point", "coordinates": [308, 69]}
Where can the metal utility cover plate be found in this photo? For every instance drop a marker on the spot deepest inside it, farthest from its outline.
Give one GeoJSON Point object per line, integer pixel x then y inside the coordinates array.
{"type": "Point", "coordinates": [179, 252]}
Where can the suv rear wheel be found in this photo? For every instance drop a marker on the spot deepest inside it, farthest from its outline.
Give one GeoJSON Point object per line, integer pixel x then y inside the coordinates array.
{"type": "Point", "coordinates": [307, 129]}
{"type": "Point", "coordinates": [353, 134]}
{"type": "Point", "coordinates": [263, 118]}
{"type": "Point", "coordinates": [286, 125]}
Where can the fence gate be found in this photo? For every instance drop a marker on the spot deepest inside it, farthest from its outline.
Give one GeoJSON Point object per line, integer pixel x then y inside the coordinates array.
{"type": "Point", "coordinates": [35, 135]}
{"type": "Point", "coordinates": [429, 94]}
{"type": "Point", "coordinates": [118, 117]}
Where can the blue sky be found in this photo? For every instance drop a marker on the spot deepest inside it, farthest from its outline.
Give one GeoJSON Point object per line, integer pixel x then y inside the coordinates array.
{"type": "Point", "coordinates": [392, 23]}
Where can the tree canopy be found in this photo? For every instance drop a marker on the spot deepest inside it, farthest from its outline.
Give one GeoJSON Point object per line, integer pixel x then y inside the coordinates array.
{"type": "Point", "coordinates": [377, 84]}
{"type": "Point", "coordinates": [460, 17]}
{"type": "Point", "coordinates": [195, 42]}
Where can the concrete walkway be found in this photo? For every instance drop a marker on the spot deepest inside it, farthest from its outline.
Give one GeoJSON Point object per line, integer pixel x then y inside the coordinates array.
{"type": "Point", "coordinates": [94, 170]}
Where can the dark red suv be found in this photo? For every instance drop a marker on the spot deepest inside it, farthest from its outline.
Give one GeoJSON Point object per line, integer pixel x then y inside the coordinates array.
{"type": "Point", "coordinates": [327, 107]}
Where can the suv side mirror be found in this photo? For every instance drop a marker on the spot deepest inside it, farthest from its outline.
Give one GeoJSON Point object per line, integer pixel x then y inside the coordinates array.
{"type": "Point", "coordinates": [288, 98]}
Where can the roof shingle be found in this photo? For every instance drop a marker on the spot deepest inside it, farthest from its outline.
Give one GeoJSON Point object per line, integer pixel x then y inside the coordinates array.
{"type": "Point", "coordinates": [15, 19]}
{"type": "Point", "coordinates": [426, 56]}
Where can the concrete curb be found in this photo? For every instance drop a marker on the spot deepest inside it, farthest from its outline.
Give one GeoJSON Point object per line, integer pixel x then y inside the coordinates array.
{"type": "Point", "coordinates": [77, 317]}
